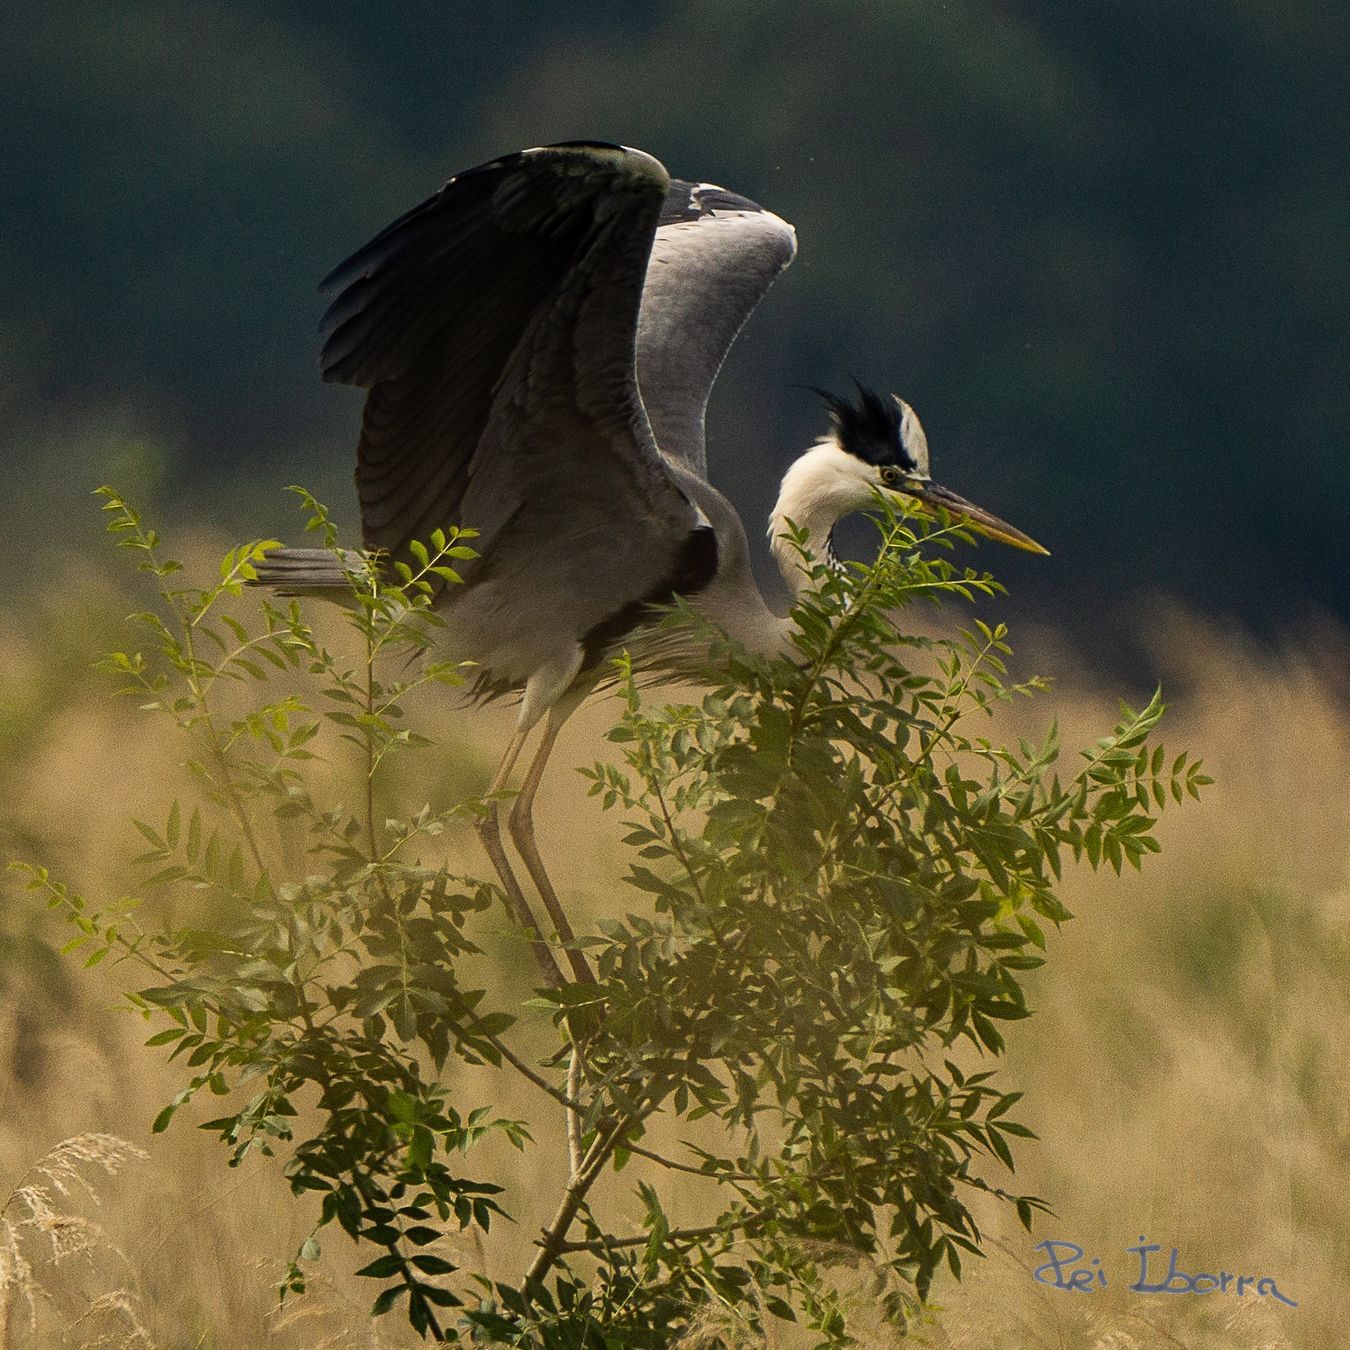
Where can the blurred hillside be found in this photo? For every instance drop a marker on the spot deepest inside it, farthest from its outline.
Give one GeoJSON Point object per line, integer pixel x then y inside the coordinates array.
{"type": "Point", "coordinates": [1101, 248]}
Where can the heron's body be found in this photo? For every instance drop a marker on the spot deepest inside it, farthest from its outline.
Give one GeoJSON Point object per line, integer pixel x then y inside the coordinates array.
{"type": "Point", "coordinates": [539, 340]}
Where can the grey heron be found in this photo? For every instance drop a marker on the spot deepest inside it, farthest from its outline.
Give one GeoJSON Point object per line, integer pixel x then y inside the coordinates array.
{"type": "Point", "coordinates": [538, 341]}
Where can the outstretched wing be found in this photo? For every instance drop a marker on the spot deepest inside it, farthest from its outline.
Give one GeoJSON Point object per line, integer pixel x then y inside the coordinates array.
{"type": "Point", "coordinates": [494, 326]}
{"type": "Point", "coordinates": [714, 258]}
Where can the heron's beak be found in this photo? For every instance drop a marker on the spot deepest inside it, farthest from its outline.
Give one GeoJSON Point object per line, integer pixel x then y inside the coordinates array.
{"type": "Point", "coordinates": [934, 498]}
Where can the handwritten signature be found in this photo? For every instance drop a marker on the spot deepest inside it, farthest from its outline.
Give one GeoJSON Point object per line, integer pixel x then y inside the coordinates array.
{"type": "Point", "coordinates": [1062, 1270]}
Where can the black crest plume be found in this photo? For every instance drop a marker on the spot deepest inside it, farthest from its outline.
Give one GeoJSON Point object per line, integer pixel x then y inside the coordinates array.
{"type": "Point", "coordinates": [869, 429]}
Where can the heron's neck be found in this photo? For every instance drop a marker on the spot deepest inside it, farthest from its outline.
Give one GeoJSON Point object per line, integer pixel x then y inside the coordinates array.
{"type": "Point", "coordinates": [817, 492]}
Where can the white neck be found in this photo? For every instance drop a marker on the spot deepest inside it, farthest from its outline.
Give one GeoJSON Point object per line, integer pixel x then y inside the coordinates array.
{"type": "Point", "coordinates": [818, 490]}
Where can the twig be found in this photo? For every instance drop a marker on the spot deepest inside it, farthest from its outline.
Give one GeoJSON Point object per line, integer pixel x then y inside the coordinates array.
{"type": "Point", "coordinates": [675, 1235]}
{"type": "Point", "coordinates": [676, 841]}
{"type": "Point", "coordinates": [573, 1113]}
{"type": "Point", "coordinates": [542, 1083]}
{"type": "Point", "coordinates": [686, 1167]}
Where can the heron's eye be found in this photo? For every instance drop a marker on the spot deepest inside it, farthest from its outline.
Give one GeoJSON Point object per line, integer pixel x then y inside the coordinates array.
{"type": "Point", "coordinates": [890, 475]}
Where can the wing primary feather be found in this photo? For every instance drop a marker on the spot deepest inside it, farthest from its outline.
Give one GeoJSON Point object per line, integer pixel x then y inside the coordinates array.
{"type": "Point", "coordinates": [495, 328]}
{"type": "Point", "coordinates": [715, 256]}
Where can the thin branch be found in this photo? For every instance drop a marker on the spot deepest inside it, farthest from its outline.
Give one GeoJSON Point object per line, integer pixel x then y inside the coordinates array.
{"type": "Point", "coordinates": [685, 1167]}
{"type": "Point", "coordinates": [542, 1083]}
{"type": "Point", "coordinates": [372, 843]}
{"type": "Point", "coordinates": [676, 841]}
{"type": "Point", "coordinates": [574, 1158]}
{"type": "Point", "coordinates": [602, 1245]}
{"type": "Point", "coordinates": [951, 703]}
{"type": "Point", "coordinates": [233, 804]}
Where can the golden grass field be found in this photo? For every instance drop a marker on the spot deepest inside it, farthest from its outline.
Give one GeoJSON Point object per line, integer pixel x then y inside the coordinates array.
{"type": "Point", "coordinates": [1186, 1070]}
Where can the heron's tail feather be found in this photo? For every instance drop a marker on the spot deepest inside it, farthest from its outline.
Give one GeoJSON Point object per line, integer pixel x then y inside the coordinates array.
{"type": "Point", "coordinates": [310, 571]}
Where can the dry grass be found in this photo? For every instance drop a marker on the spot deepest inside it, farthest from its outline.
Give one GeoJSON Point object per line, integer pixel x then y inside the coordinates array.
{"type": "Point", "coordinates": [1185, 1071]}
{"type": "Point", "coordinates": [43, 1236]}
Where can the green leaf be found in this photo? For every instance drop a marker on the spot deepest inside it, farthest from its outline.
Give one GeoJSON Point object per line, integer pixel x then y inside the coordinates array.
{"type": "Point", "coordinates": [383, 1267]}
{"type": "Point", "coordinates": [387, 1299]}
{"type": "Point", "coordinates": [433, 1265]}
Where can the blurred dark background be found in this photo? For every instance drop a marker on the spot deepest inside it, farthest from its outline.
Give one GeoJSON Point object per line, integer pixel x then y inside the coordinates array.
{"type": "Point", "coordinates": [1101, 248]}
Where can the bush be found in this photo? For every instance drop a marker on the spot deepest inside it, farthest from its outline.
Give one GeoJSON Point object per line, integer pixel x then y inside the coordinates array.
{"type": "Point", "coordinates": [843, 882]}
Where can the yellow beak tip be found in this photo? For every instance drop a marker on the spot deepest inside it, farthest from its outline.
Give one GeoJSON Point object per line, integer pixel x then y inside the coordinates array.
{"type": "Point", "coordinates": [1016, 540]}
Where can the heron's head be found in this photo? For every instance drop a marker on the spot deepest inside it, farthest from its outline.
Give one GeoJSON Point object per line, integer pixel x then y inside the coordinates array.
{"type": "Point", "coordinates": [879, 444]}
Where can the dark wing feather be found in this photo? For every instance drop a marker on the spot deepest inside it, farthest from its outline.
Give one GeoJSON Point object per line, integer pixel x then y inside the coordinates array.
{"type": "Point", "coordinates": [714, 258]}
{"type": "Point", "coordinates": [494, 326]}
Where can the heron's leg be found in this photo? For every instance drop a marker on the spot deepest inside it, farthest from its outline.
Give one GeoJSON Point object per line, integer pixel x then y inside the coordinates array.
{"type": "Point", "coordinates": [490, 832]}
{"type": "Point", "coordinates": [521, 822]}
